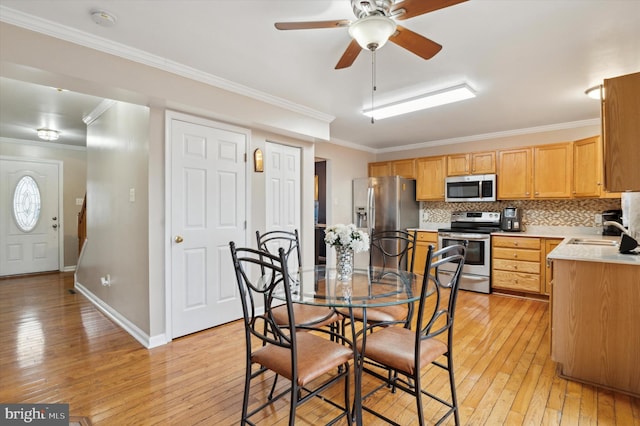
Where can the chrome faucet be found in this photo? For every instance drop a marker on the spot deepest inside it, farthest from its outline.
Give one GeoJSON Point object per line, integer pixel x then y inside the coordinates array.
{"type": "Point", "coordinates": [617, 225]}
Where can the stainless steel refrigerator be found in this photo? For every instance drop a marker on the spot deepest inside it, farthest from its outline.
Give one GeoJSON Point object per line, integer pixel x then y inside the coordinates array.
{"type": "Point", "coordinates": [384, 203]}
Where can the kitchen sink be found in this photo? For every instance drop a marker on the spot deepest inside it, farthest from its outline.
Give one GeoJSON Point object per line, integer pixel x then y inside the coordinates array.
{"type": "Point", "coordinates": [593, 242]}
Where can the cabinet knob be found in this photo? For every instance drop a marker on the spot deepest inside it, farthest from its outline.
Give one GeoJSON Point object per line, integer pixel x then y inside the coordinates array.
{"type": "Point", "coordinates": [515, 255]}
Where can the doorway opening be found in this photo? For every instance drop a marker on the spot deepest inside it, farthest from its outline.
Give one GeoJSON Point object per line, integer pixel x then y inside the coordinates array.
{"type": "Point", "coordinates": [320, 211]}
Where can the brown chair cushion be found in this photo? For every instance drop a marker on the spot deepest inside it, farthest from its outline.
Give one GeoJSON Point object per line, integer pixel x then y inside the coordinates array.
{"type": "Point", "coordinates": [379, 313]}
{"type": "Point", "coordinates": [317, 316]}
{"type": "Point", "coordinates": [395, 347]}
{"type": "Point", "coordinates": [316, 356]}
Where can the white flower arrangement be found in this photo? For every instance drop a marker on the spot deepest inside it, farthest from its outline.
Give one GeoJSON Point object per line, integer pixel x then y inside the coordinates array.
{"type": "Point", "coordinates": [347, 236]}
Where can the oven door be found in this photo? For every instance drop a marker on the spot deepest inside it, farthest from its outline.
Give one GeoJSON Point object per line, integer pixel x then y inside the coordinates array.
{"type": "Point", "coordinates": [478, 256]}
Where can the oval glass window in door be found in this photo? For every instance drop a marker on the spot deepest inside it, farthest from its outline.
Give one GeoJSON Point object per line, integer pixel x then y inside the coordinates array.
{"type": "Point", "coordinates": [26, 203]}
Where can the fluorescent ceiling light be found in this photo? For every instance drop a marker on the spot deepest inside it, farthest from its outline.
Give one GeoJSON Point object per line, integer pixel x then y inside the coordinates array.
{"type": "Point", "coordinates": [440, 97]}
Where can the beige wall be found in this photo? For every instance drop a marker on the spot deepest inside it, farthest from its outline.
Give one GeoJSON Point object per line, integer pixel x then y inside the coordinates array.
{"type": "Point", "coordinates": [343, 165]}
{"type": "Point", "coordinates": [74, 168]}
{"type": "Point", "coordinates": [117, 230]}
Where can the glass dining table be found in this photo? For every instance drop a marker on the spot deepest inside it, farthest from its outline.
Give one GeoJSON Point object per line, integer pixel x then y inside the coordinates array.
{"type": "Point", "coordinates": [367, 288]}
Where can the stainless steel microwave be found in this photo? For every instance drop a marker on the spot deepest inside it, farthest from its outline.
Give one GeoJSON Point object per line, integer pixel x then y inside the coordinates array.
{"type": "Point", "coordinates": [471, 188]}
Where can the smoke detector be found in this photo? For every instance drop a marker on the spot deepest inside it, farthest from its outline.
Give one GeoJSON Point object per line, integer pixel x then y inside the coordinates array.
{"type": "Point", "coordinates": [103, 18]}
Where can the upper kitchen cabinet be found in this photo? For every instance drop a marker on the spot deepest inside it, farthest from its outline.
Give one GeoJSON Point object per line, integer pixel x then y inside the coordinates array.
{"type": "Point", "coordinates": [587, 172]}
{"type": "Point", "coordinates": [587, 169]}
{"type": "Point", "coordinates": [430, 174]}
{"type": "Point", "coordinates": [552, 170]}
{"type": "Point", "coordinates": [514, 173]}
{"type": "Point", "coordinates": [404, 168]}
{"type": "Point", "coordinates": [380, 169]}
{"type": "Point", "coordinates": [477, 163]}
{"type": "Point", "coordinates": [621, 130]}
{"type": "Point", "coordinates": [543, 171]}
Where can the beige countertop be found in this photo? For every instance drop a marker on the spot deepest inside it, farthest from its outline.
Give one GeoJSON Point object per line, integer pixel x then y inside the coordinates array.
{"type": "Point", "coordinates": [594, 253]}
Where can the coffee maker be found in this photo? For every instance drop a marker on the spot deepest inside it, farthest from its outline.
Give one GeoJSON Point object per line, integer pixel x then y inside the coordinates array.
{"type": "Point", "coordinates": [611, 216]}
{"type": "Point", "coordinates": [511, 219]}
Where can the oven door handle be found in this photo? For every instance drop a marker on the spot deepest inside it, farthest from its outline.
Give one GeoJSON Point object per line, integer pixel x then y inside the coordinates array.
{"type": "Point", "coordinates": [467, 277]}
{"type": "Point", "coordinates": [465, 237]}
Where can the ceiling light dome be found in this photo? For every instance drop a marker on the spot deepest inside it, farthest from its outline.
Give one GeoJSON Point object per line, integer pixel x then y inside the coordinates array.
{"type": "Point", "coordinates": [48, 134]}
{"type": "Point", "coordinates": [373, 31]}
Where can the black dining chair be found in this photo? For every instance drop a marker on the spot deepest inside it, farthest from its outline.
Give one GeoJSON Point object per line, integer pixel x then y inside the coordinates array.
{"type": "Point", "coordinates": [310, 362]}
{"type": "Point", "coordinates": [407, 352]}
{"type": "Point", "coordinates": [307, 315]}
{"type": "Point", "coordinates": [389, 251]}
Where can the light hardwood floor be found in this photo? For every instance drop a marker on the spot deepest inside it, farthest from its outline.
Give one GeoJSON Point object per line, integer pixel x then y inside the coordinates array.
{"type": "Point", "coordinates": [57, 348]}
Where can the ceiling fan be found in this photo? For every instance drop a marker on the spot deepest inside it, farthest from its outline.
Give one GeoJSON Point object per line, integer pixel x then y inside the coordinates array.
{"type": "Point", "coordinates": [376, 23]}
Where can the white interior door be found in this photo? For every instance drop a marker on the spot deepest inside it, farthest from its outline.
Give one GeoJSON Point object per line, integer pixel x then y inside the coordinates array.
{"type": "Point", "coordinates": [30, 216]}
{"type": "Point", "coordinates": [282, 194]}
{"type": "Point", "coordinates": [208, 209]}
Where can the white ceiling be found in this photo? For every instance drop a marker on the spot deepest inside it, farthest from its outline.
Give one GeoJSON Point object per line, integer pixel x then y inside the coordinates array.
{"type": "Point", "coordinates": [528, 60]}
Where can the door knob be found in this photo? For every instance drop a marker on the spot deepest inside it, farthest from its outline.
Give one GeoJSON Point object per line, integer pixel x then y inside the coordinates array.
{"type": "Point", "coordinates": [178, 239]}
{"type": "Point", "coordinates": [54, 226]}
{"type": "Point", "coordinates": [54, 218]}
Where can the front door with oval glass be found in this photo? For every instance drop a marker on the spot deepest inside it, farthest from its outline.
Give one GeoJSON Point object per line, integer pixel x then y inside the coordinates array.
{"type": "Point", "coordinates": [29, 217]}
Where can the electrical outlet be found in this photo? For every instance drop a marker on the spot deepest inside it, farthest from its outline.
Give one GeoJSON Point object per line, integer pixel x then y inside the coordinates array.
{"type": "Point", "coordinates": [597, 219]}
{"type": "Point", "coordinates": [106, 280]}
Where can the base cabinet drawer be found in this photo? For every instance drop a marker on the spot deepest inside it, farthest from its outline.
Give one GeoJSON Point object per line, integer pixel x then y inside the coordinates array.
{"type": "Point", "coordinates": [516, 281]}
{"type": "Point", "coordinates": [516, 254]}
{"type": "Point", "coordinates": [516, 266]}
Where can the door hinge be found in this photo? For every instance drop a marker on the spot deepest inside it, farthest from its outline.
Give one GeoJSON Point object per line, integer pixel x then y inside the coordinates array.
{"type": "Point", "coordinates": [245, 225]}
{"type": "Point", "coordinates": [245, 157]}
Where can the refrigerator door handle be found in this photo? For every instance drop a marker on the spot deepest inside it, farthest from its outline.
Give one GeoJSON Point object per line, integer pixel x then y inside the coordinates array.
{"type": "Point", "coordinates": [371, 206]}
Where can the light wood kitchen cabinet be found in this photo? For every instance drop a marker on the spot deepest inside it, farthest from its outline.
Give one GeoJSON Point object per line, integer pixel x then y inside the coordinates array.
{"type": "Point", "coordinates": [621, 131]}
{"type": "Point", "coordinates": [587, 169]}
{"type": "Point", "coordinates": [595, 332]}
{"type": "Point", "coordinates": [380, 169]}
{"type": "Point", "coordinates": [549, 244]}
{"type": "Point", "coordinates": [517, 263]}
{"type": "Point", "coordinates": [404, 168]}
{"type": "Point", "coordinates": [423, 240]}
{"type": "Point", "coordinates": [552, 170]}
{"type": "Point", "coordinates": [430, 174]}
{"type": "Point", "coordinates": [515, 168]}
{"type": "Point", "coordinates": [477, 163]}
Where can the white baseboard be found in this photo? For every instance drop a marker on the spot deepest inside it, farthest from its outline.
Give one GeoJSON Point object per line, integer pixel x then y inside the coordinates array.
{"type": "Point", "coordinates": [71, 268]}
{"type": "Point", "coordinates": [142, 337]}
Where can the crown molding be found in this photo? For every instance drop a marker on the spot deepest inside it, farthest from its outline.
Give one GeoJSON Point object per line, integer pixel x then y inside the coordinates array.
{"type": "Point", "coordinates": [43, 26]}
{"type": "Point", "coordinates": [495, 135]}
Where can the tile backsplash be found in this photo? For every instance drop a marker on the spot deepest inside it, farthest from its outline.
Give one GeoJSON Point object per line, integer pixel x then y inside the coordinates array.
{"type": "Point", "coordinates": [535, 212]}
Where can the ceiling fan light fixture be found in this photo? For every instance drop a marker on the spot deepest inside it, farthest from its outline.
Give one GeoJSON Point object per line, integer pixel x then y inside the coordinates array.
{"type": "Point", "coordinates": [418, 103]}
{"type": "Point", "coordinates": [372, 32]}
{"type": "Point", "coordinates": [595, 92]}
{"type": "Point", "coordinates": [48, 134]}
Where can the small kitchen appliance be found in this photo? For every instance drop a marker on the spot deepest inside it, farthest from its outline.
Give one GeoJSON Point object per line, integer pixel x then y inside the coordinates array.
{"type": "Point", "coordinates": [611, 216]}
{"type": "Point", "coordinates": [511, 219]}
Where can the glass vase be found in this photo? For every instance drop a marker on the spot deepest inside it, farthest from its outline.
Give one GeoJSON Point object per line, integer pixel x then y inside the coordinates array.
{"type": "Point", "coordinates": [344, 263]}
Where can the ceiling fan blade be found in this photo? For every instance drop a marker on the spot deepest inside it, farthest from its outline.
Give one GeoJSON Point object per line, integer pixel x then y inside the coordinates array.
{"type": "Point", "coordinates": [349, 55]}
{"type": "Point", "coordinates": [312, 24]}
{"type": "Point", "coordinates": [415, 43]}
{"type": "Point", "coordinates": [409, 8]}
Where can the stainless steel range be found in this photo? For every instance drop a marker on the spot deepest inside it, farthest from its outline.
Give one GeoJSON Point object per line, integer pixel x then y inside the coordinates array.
{"type": "Point", "coordinates": [476, 228]}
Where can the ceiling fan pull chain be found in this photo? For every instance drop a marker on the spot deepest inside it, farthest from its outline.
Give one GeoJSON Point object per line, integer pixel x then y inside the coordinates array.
{"type": "Point", "coordinates": [373, 80]}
